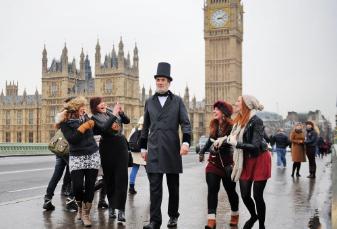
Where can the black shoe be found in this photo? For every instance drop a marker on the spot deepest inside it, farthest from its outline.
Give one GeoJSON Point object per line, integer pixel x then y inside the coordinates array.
{"type": "Point", "coordinates": [173, 221]}
{"type": "Point", "coordinates": [102, 204]}
{"type": "Point", "coordinates": [71, 204]}
{"type": "Point", "coordinates": [132, 190]}
{"type": "Point", "coordinates": [298, 175]}
{"type": "Point", "coordinates": [48, 204]}
{"type": "Point", "coordinates": [112, 213]}
{"type": "Point", "coordinates": [311, 176]}
{"type": "Point", "coordinates": [292, 175]}
{"type": "Point", "coordinates": [250, 223]}
{"type": "Point", "coordinates": [121, 216]}
{"type": "Point", "coordinates": [152, 225]}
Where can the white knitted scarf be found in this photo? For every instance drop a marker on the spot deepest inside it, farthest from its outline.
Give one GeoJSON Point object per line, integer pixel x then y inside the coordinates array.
{"type": "Point", "coordinates": [237, 133]}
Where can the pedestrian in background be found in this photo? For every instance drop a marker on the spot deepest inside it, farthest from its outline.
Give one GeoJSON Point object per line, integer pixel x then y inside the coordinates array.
{"type": "Point", "coordinates": [252, 160]}
{"type": "Point", "coordinates": [297, 148]}
{"type": "Point", "coordinates": [281, 140]}
{"type": "Point", "coordinates": [310, 147]}
{"type": "Point", "coordinates": [134, 144]}
{"type": "Point", "coordinates": [113, 149]}
{"type": "Point", "coordinates": [220, 163]}
{"type": "Point", "coordinates": [60, 165]}
{"type": "Point", "coordinates": [320, 146]}
{"type": "Point", "coordinates": [84, 158]}
{"type": "Point", "coordinates": [161, 148]}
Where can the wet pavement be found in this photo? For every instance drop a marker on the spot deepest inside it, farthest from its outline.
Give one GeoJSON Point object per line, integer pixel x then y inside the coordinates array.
{"type": "Point", "coordinates": [334, 188]}
{"type": "Point", "coordinates": [291, 202]}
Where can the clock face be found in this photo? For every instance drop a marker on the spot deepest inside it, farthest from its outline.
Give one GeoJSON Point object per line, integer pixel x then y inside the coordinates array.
{"type": "Point", "coordinates": [219, 18]}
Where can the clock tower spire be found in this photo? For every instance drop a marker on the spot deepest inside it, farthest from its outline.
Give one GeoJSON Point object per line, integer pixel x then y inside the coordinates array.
{"type": "Point", "coordinates": [223, 34]}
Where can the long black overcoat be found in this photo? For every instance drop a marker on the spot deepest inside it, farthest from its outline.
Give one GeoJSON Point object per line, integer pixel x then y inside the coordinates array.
{"type": "Point", "coordinates": [161, 129]}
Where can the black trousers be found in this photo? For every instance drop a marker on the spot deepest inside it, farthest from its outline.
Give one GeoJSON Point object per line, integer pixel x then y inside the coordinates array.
{"type": "Point", "coordinates": [60, 165]}
{"type": "Point", "coordinates": [213, 184]}
{"type": "Point", "coordinates": [114, 160]}
{"type": "Point", "coordinates": [156, 195]}
{"type": "Point", "coordinates": [310, 151]}
{"type": "Point", "coordinates": [88, 178]}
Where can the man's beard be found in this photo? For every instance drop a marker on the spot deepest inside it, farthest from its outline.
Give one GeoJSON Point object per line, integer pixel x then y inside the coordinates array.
{"type": "Point", "coordinates": [161, 91]}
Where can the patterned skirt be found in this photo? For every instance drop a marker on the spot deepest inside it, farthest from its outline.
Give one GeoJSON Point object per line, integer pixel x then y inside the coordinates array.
{"type": "Point", "coordinates": [92, 161]}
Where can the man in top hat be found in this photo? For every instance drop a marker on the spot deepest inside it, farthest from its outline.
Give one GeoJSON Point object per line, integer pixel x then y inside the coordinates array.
{"type": "Point", "coordinates": [161, 147]}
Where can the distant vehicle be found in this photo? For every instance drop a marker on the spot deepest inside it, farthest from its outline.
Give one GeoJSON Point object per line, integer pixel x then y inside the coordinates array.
{"type": "Point", "coordinates": [202, 141]}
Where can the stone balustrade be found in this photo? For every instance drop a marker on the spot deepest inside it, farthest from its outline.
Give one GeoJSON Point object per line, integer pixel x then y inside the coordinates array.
{"type": "Point", "coordinates": [24, 149]}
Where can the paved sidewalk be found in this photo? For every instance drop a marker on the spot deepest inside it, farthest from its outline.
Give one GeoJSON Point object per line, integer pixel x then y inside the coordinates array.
{"type": "Point", "coordinates": [291, 202]}
{"type": "Point", "coordinates": [334, 187]}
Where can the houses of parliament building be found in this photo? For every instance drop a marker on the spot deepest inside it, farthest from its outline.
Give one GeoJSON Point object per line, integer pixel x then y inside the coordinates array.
{"type": "Point", "coordinates": [30, 118]}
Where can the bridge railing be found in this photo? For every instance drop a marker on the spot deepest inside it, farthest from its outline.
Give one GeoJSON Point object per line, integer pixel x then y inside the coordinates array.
{"type": "Point", "coordinates": [24, 149]}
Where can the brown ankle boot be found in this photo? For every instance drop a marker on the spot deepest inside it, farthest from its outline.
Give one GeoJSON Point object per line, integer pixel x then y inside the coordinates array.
{"type": "Point", "coordinates": [234, 220]}
{"type": "Point", "coordinates": [86, 214]}
{"type": "Point", "coordinates": [79, 210]}
{"type": "Point", "coordinates": [211, 224]}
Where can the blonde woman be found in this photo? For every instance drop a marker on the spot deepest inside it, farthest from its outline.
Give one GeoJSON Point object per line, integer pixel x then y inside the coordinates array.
{"type": "Point", "coordinates": [138, 160]}
{"type": "Point", "coordinates": [84, 158]}
{"type": "Point", "coordinates": [252, 160]}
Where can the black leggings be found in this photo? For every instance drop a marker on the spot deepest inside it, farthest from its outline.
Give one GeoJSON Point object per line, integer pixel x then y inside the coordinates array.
{"type": "Point", "coordinates": [296, 166]}
{"type": "Point", "coordinates": [258, 188]}
{"type": "Point", "coordinates": [213, 183]}
{"type": "Point", "coordinates": [78, 177]}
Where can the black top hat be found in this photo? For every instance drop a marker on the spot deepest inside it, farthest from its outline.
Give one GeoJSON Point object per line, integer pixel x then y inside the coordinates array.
{"type": "Point", "coordinates": [164, 70]}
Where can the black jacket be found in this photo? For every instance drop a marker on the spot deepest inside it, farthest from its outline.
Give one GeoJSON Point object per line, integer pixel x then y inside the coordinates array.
{"type": "Point", "coordinates": [253, 138]}
{"type": "Point", "coordinates": [80, 144]}
{"type": "Point", "coordinates": [311, 138]}
{"type": "Point", "coordinates": [281, 140]}
{"type": "Point", "coordinates": [103, 123]}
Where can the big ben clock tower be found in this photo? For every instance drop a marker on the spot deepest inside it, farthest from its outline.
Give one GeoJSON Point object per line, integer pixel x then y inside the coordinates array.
{"type": "Point", "coordinates": [223, 31]}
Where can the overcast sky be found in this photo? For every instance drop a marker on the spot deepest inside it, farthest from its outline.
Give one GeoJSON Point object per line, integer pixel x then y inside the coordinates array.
{"type": "Point", "coordinates": [289, 47]}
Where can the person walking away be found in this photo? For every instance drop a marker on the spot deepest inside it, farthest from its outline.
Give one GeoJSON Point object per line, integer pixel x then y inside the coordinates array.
{"type": "Point", "coordinates": [134, 145]}
{"type": "Point", "coordinates": [297, 148]}
{"type": "Point", "coordinates": [281, 141]}
{"type": "Point", "coordinates": [252, 160]}
{"type": "Point", "coordinates": [320, 146]}
{"type": "Point", "coordinates": [61, 165]}
{"type": "Point", "coordinates": [113, 149]}
{"type": "Point", "coordinates": [84, 159]}
{"type": "Point", "coordinates": [160, 146]}
{"type": "Point", "coordinates": [310, 147]}
{"type": "Point", "coordinates": [220, 163]}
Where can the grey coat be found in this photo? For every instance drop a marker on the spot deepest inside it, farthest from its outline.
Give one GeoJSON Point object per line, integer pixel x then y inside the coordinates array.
{"type": "Point", "coordinates": [161, 133]}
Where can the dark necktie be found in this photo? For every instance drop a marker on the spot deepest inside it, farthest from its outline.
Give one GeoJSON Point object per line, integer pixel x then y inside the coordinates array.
{"type": "Point", "coordinates": [162, 94]}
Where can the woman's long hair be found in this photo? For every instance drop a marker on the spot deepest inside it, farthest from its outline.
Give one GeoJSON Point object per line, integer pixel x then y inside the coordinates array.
{"type": "Point", "coordinates": [242, 117]}
{"type": "Point", "coordinates": [225, 127]}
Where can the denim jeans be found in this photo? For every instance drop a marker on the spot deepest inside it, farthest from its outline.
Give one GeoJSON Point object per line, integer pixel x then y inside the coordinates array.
{"type": "Point", "coordinates": [133, 173]}
{"type": "Point", "coordinates": [60, 165]}
{"type": "Point", "coordinates": [281, 157]}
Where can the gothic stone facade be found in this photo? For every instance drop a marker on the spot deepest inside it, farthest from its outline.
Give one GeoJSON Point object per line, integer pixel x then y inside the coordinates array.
{"type": "Point", "coordinates": [30, 118]}
{"type": "Point", "coordinates": [116, 79]}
